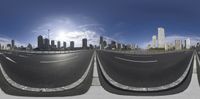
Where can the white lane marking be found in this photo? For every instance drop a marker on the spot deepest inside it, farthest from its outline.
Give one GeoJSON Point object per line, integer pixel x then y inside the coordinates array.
{"type": "Point", "coordinates": [129, 60]}
{"type": "Point", "coordinates": [56, 61]}
{"type": "Point", "coordinates": [10, 59]}
{"type": "Point", "coordinates": [137, 56]}
{"type": "Point", "coordinates": [57, 89]}
{"type": "Point", "coordinates": [23, 56]}
{"type": "Point", "coordinates": [1, 53]}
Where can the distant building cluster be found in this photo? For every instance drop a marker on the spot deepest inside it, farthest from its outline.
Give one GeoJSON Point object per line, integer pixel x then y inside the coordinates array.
{"type": "Point", "coordinates": [12, 46]}
{"type": "Point", "coordinates": [159, 42]}
{"type": "Point", "coordinates": [45, 44]}
{"type": "Point", "coordinates": [115, 45]}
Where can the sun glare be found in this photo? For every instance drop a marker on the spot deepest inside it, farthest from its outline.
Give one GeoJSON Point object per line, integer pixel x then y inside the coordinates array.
{"type": "Point", "coordinates": [61, 36]}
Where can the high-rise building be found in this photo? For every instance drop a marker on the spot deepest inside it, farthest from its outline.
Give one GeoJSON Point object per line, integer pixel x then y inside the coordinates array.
{"type": "Point", "coordinates": [12, 44]}
{"type": "Point", "coordinates": [58, 44]}
{"type": "Point", "coordinates": [161, 37]}
{"type": "Point", "coordinates": [40, 42]}
{"type": "Point", "coordinates": [72, 45]}
{"type": "Point", "coordinates": [53, 46]}
{"type": "Point", "coordinates": [84, 43]}
{"type": "Point", "coordinates": [46, 43]}
{"type": "Point", "coordinates": [154, 41]}
{"type": "Point", "coordinates": [178, 45]}
{"type": "Point", "coordinates": [188, 43]}
{"type": "Point", "coordinates": [101, 42]}
{"type": "Point", "coordinates": [184, 44]}
{"type": "Point", "coordinates": [64, 45]}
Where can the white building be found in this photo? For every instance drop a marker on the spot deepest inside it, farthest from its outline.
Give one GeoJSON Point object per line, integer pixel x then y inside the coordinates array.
{"type": "Point", "coordinates": [188, 43]}
{"type": "Point", "coordinates": [154, 41]}
{"type": "Point", "coordinates": [161, 37]}
{"type": "Point", "coordinates": [178, 45]}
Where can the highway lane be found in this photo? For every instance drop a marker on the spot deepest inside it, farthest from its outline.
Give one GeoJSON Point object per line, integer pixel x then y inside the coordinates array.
{"type": "Point", "coordinates": [143, 71]}
{"type": "Point", "coordinates": [47, 71]}
{"type": "Point", "coordinates": [198, 65]}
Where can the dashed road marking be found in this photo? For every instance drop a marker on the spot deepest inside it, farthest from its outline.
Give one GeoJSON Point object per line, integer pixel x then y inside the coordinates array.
{"type": "Point", "coordinates": [23, 56]}
{"type": "Point", "coordinates": [129, 60]}
{"type": "Point", "coordinates": [10, 59]}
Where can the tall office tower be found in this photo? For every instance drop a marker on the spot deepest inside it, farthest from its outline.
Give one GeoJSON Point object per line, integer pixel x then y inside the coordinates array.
{"type": "Point", "coordinates": [58, 44]}
{"type": "Point", "coordinates": [40, 42]}
{"type": "Point", "coordinates": [64, 45]}
{"type": "Point", "coordinates": [188, 44]}
{"type": "Point", "coordinates": [12, 44]}
{"type": "Point", "coordinates": [184, 44]}
{"type": "Point", "coordinates": [72, 45]}
{"type": "Point", "coordinates": [161, 37]}
{"type": "Point", "coordinates": [154, 41]}
{"type": "Point", "coordinates": [101, 42]}
{"type": "Point", "coordinates": [46, 43]}
{"type": "Point", "coordinates": [178, 45]}
{"type": "Point", "coordinates": [53, 44]}
{"type": "Point", "coordinates": [84, 43]}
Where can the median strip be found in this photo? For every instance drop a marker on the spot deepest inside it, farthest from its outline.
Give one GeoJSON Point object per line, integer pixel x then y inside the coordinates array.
{"type": "Point", "coordinates": [129, 60]}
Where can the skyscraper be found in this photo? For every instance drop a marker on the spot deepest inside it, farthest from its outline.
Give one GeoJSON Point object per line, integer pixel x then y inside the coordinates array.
{"type": "Point", "coordinates": [58, 44]}
{"type": "Point", "coordinates": [64, 45]}
{"type": "Point", "coordinates": [84, 43]}
{"type": "Point", "coordinates": [46, 43]}
{"type": "Point", "coordinates": [161, 37]}
{"type": "Point", "coordinates": [188, 43]}
{"type": "Point", "coordinates": [72, 45]}
{"type": "Point", "coordinates": [184, 44]}
{"type": "Point", "coordinates": [12, 44]}
{"type": "Point", "coordinates": [40, 42]}
{"type": "Point", "coordinates": [53, 46]}
{"type": "Point", "coordinates": [154, 41]}
{"type": "Point", "coordinates": [178, 45]}
{"type": "Point", "coordinates": [101, 42]}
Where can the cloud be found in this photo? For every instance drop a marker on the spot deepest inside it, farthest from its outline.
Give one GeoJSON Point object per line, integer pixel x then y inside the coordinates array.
{"type": "Point", "coordinates": [172, 38]}
{"type": "Point", "coordinates": [67, 29]}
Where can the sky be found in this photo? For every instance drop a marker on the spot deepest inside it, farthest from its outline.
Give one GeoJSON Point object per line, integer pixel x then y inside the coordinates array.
{"type": "Point", "coordinates": [126, 21]}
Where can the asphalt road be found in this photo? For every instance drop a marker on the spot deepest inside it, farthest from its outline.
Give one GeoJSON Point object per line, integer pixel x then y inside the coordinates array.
{"type": "Point", "coordinates": [47, 71]}
{"type": "Point", "coordinates": [144, 70]}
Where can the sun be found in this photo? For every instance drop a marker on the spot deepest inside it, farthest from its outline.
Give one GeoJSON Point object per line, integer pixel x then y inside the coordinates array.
{"type": "Point", "coordinates": [61, 36]}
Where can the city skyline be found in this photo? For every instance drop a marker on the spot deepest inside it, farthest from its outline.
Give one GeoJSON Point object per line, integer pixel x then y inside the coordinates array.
{"type": "Point", "coordinates": [159, 42]}
{"type": "Point", "coordinates": [129, 24]}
